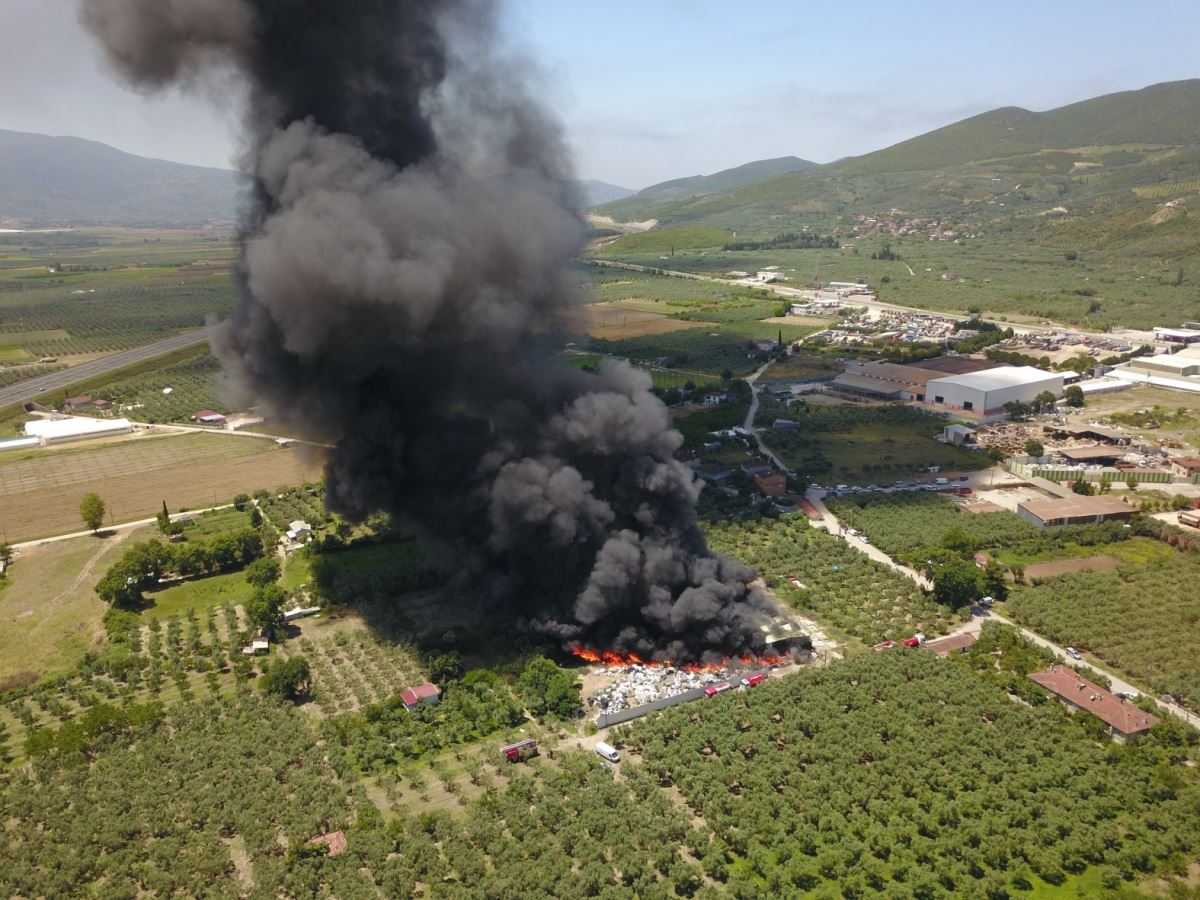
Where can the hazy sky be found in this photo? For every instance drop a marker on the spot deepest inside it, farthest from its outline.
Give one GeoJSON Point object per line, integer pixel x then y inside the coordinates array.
{"type": "Point", "coordinates": [659, 89]}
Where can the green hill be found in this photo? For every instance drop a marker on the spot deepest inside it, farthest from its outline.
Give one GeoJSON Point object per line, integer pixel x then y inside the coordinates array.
{"type": "Point", "coordinates": [1096, 172]}
{"type": "Point", "coordinates": [70, 181]}
{"type": "Point", "coordinates": [704, 185]}
{"type": "Point", "coordinates": [1162, 114]}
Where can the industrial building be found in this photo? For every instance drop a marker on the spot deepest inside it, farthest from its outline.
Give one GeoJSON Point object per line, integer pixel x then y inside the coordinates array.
{"type": "Point", "coordinates": [1168, 364]}
{"type": "Point", "coordinates": [904, 383]}
{"type": "Point", "coordinates": [74, 428]}
{"type": "Point", "coordinates": [1076, 510]}
{"type": "Point", "coordinates": [1177, 335]}
{"type": "Point", "coordinates": [983, 394]}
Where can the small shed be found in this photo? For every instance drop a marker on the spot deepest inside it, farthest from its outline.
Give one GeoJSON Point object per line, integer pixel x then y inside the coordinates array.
{"type": "Point", "coordinates": [335, 841]}
{"type": "Point", "coordinates": [422, 693]}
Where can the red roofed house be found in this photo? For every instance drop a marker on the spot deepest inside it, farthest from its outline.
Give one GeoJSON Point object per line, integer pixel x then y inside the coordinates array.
{"type": "Point", "coordinates": [954, 643]}
{"type": "Point", "coordinates": [422, 693]}
{"type": "Point", "coordinates": [335, 841]}
{"type": "Point", "coordinates": [1124, 720]}
{"type": "Point", "coordinates": [773, 484]}
{"type": "Point", "coordinates": [78, 402]}
{"type": "Point", "coordinates": [208, 417]}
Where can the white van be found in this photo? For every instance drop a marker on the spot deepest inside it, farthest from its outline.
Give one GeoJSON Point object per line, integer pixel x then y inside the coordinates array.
{"type": "Point", "coordinates": [608, 751]}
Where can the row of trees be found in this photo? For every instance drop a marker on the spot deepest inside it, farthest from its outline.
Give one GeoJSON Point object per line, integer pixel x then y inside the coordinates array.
{"type": "Point", "coordinates": [144, 566]}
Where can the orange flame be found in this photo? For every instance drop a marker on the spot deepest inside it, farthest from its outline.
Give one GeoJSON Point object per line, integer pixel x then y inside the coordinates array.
{"type": "Point", "coordinates": [616, 660]}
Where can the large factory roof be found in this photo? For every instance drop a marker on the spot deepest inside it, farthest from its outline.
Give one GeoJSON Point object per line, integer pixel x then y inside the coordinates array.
{"type": "Point", "coordinates": [998, 378]}
{"type": "Point", "coordinates": [68, 427]}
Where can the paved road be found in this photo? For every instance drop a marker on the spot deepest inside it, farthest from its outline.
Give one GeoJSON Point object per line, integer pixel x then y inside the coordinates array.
{"type": "Point", "coordinates": [749, 423]}
{"type": "Point", "coordinates": [121, 527]}
{"type": "Point", "coordinates": [831, 524]}
{"type": "Point", "coordinates": [24, 391]}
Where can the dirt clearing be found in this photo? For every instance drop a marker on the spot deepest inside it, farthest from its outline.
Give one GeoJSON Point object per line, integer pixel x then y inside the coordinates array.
{"type": "Point", "coordinates": [40, 494]}
{"type": "Point", "coordinates": [624, 319]}
{"type": "Point", "coordinates": [1101, 563]}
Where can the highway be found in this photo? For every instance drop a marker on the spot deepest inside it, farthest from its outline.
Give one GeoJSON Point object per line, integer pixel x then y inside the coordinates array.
{"type": "Point", "coordinates": [24, 391]}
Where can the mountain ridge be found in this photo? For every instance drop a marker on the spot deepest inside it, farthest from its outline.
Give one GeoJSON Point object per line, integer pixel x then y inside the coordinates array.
{"type": "Point", "coordinates": [66, 180]}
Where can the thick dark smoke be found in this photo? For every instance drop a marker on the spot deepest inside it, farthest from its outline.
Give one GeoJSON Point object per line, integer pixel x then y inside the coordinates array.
{"type": "Point", "coordinates": [409, 240]}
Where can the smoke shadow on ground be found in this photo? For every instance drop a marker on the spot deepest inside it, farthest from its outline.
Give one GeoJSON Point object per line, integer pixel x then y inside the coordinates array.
{"type": "Point", "coordinates": [402, 597]}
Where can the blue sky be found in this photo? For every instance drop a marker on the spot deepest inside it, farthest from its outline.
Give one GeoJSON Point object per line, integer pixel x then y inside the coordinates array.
{"type": "Point", "coordinates": [660, 89]}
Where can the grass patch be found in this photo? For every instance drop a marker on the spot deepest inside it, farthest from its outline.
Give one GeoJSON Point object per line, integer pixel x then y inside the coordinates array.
{"type": "Point", "coordinates": [200, 594]}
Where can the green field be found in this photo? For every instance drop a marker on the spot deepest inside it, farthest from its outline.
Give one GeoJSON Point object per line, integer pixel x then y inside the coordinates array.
{"type": "Point", "coordinates": [1142, 619]}
{"type": "Point", "coordinates": [899, 774]}
{"type": "Point", "coordinates": [862, 444]}
{"type": "Point", "coordinates": [860, 598]}
{"type": "Point", "coordinates": [99, 290]}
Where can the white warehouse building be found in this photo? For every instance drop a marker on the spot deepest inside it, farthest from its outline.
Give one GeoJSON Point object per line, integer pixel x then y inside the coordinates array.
{"type": "Point", "coordinates": [983, 394]}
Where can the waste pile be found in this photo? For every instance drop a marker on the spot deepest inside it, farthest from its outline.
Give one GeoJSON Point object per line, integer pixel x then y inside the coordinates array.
{"type": "Point", "coordinates": [636, 685]}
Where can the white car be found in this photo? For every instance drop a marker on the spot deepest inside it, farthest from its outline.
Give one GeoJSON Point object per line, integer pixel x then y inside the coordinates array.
{"type": "Point", "coordinates": [1073, 653]}
{"type": "Point", "coordinates": [1128, 695]}
{"type": "Point", "coordinates": [865, 539]}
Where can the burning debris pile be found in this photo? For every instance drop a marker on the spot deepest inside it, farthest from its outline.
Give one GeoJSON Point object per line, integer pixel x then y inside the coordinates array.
{"type": "Point", "coordinates": [635, 682]}
{"type": "Point", "coordinates": [638, 685]}
{"type": "Point", "coordinates": [406, 252]}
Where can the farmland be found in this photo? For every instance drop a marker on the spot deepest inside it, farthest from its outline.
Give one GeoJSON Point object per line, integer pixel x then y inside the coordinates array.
{"type": "Point", "coordinates": [899, 774]}
{"type": "Point", "coordinates": [901, 524]}
{"type": "Point", "coordinates": [697, 326]}
{"type": "Point", "coordinates": [861, 444]}
{"type": "Point", "coordinates": [76, 294]}
{"type": "Point", "coordinates": [837, 585]}
{"type": "Point", "coordinates": [1141, 619]}
{"type": "Point", "coordinates": [40, 490]}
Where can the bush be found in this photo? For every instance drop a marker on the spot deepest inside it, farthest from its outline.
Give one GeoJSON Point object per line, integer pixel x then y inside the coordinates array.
{"type": "Point", "coordinates": [286, 678]}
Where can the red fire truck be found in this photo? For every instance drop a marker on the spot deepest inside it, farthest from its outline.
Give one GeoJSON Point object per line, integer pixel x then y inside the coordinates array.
{"type": "Point", "coordinates": [519, 751]}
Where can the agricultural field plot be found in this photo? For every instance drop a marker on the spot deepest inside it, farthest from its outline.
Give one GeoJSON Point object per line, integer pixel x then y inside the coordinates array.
{"type": "Point", "coordinates": [862, 444]}
{"type": "Point", "coordinates": [1143, 620]}
{"type": "Point", "coordinates": [40, 490]}
{"type": "Point", "coordinates": [158, 655]}
{"type": "Point", "coordinates": [352, 669]}
{"type": "Point", "coordinates": [1002, 277]}
{"type": "Point", "coordinates": [623, 319]}
{"type": "Point", "coordinates": [900, 524]}
{"type": "Point", "coordinates": [537, 831]}
{"type": "Point", "coordinates": [837, 585]}
{"type": "Point", "coordinates": [95, 291]}
{"type": "Point", "coordinates": [901, 774]}
{"type": "Point", "coordinates": [170, 393]}
{"type": "Point", "coordinates": [49, 615]}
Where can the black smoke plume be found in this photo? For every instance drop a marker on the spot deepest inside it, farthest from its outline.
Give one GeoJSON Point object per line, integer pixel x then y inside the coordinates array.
{"type": "Point", "coordinates": [409, 239]}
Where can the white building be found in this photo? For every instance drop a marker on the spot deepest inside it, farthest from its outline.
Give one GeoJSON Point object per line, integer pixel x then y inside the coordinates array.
{"type": "Point", "coordinates": [1177, 335]}
{"type": "Point", "coordinates": [74, 428]}
{"type": "Point", "coordinates": [983, 394]}
{"type": "Point", "coordinates": [1168, 364]}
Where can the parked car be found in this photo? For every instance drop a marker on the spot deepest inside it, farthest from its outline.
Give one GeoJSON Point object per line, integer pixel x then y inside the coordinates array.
{"type": "Point", "coordinates": [1128, 695]}
{"type": "Point", "coordinates": [1073, 653]}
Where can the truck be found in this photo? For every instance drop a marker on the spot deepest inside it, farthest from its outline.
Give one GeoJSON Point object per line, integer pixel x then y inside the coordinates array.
{"type": "Point", "coordinates": [755, 679]}
{"type": "Point", "coordinates": [713, 689]}
{"type": "Point", "coordinates": [519, 751]}
{"type": "Point", "coordinates": [608, 752]}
